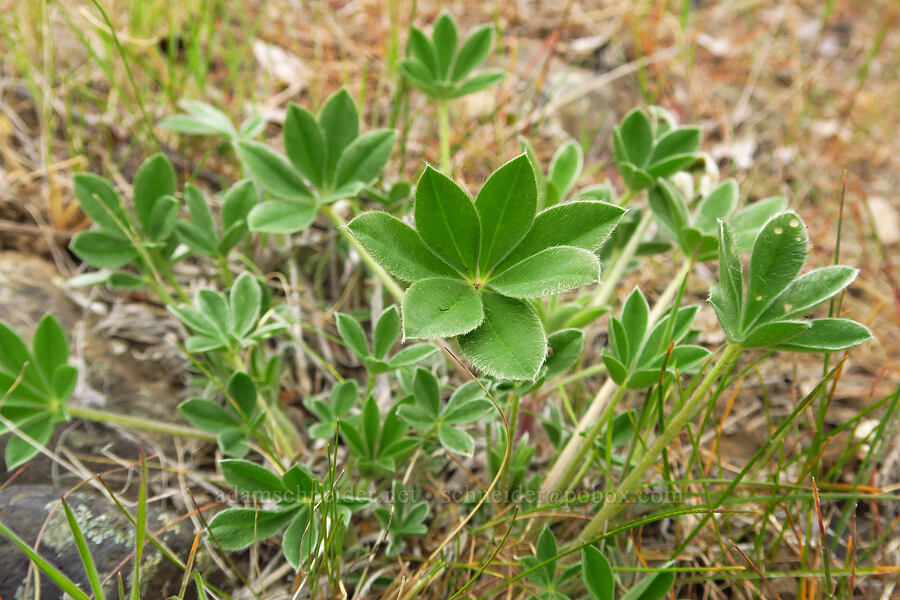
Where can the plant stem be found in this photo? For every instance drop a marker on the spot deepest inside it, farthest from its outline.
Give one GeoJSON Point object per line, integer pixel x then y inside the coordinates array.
{"type": "Point", "coordinates": [143, 424]}
{"type": "Point", "coordinates": [379, 271]}
{"type": "Point", "coordinates": [611, 280]}
{"type": "Point", "coordinates": [444, 124]}
{"type": "Point", "coordinates": [587, 443]}
{"type": "Point", "coordinates": [676, 424]}
{"type": "Point", "coordinates": [554, 479]}
{"type": "Point", "coordinates": [513, 420]}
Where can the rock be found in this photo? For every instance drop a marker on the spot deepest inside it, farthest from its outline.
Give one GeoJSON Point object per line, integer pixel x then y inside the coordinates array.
{"type": "Point", "coordinates": [27, 509]}
{"type": "Point", "coordinates": [125, 364]}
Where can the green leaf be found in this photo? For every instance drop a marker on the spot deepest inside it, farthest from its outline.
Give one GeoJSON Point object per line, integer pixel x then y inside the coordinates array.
{"type": "Point", "coordinates": [101, 203]}
{"type": "Point", "coordinates": [239, 200]}
{"type": "Point", "coordinates": [365, 157]}
{"type": "Point", "coordinates": [421, 49]}
{"type": "Point", "coordinates": [778, 255]}
{"type": "Point", "coordinates": [195, 238]}
{"type": "Point", "coordinates": [510, 343]}
{"type": "Point", "coordinates": [304, 144]}
{"type": "Point", "coordinates": [419, 75]}
{"type": "Point", "coordinates": [236, 528]}
{"type": "Point", "coordinates": [463, 412]}
{"type": "Point", "coordinates": [278, 216]}
{"type": "Point", "coordinates": [154, 179]}
{"type": "Point", "coordinates": [427, 392]}
{"type": "Point", "coordinates": [19, 451]}
{"type": "Point", "coordinates": [209, 116]}
{"type": "Point", "coordinates": [614, 367]}
{"type": "Point", "coordinates": [668, 207]}
{"type": "Point", "coordinates": [103, 250]}
{"type": "Point", "coordinates": [597, 574]}
{"type": "Point", "coordinates": [162, 219]}
{"type": "Point", "coordinates": [447, 221]}
{"type": "Point", "coordinates": [809, 291]}
{"type": "Point", "coordinates": [272, 171]}
{"type": "Point", "coordinates": [250, 478]}
{"type": "Point", "coordinates": [440, 307]}
{"type": "Point", "coordinates": [565, 168]}
{"type": "Point", "coordinates": [636, 134]}
{"type": "Point", "coordinates": [767, 335]}
{"type": "Point", "coordinates": [343, 397]}
{"type": "Point", "coordinates": [199, 344]}
{"type": "Point", "coordinates": [213, 305]}
{"type": "Point", "coordinates": [445, 38]}
{"type": "Point", "coordinates": [506, 206]}
{"type": "Point", "coordinates": [242, 391]}
{"type": "Point", "coordinates": [681, 141]}
{"type": "Point", "coordinates": [397, 247]}
{"type": "Point", "coordinates": [473, 52]}
{"type": "Point", "coordinates": [196, 320]}
{"type": "Point", "coordinates": [340, 125]}
{"type": "Point", "coordinates": [245, 301]}
{"type": "Point", "coordinates": [478, 82]}
{"type": "Point", "coordinates": [719, 204]}
{"type": "Point", "coordinates": [206, 415]}
{"type": "Point", "coordinates": [550, 271]}
{"type": "Point", "coordinates": [352, 334]}
{"type": "Point", "coordinates": [727, 296]}
{"type": "Point", "coordinates": [371, 424]}
{"type": "Point", "coordinates": [582, 224]}
{"type": "Point", "coordinates": [387, 330]}
{"type": "Point", "coordinates": [652, 587]}
{"type": "Point", "coordinates": [13, 352]}
{"type": "Point", "coordinates": [748, 221]}
{"type": "Point", "coordinates": [233, 443]}
{"type": "Point", "coordinates": [828, 335]}
{"type": "Point", "coordinates": [63, 382]}
{"type": "Point", "coordinates": [635, 315]}
{"type": "Point", "coordinates": [565, 348]}
{"type": "Point", "coordinates": [51, 349]}
{"type": "Point", "coordinates": [411, 355]}
{"type": "Point", "coordinates": [201, 217]}
{"type": "Point", "coordinates": [456, 440]}
{"type": "Point", "coordinates": [299, 539]}
{"type": "Point", "coordinates": [546, 550]}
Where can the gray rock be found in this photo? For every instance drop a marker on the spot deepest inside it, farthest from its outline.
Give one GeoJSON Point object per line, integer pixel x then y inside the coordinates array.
{"type": "Point", "coordinates": [29, 509]}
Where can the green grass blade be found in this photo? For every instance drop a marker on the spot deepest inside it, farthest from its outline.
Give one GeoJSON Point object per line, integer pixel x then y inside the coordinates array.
{"type": "Point", "coordinates": [87, 560]}
{"type": "Point", "coordinates": [141, 533]}
{"type": "Point", "coordinates": [58, 577]}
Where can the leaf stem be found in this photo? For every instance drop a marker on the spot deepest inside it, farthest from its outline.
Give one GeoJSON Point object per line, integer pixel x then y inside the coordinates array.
{"type": "Point", "coordinates": [444, 125]}
{"type": "Point", "coordinates": [140, 423]}
{"type": "Point", "coordinates": [609, 283]}
{"type": "Point", "coordinates": [379, 271]}
{"type": "Point", "coordinates": [676, 424]}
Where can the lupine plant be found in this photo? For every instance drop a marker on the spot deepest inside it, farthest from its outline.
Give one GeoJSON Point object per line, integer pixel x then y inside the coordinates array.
{"type": "Point", "coordinates": [441, 67]}
{"type": "Point", "coordinates": [472, 266]}
{"type": "Point", "coordinates": [501, 288]}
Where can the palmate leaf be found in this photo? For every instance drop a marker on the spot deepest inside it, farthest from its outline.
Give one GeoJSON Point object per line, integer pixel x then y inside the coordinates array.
{"type": "Point", "coordinates": [304, 143]}
{"type": "Point", "coordinates": [339, 121]}
{"type": "Point", "coordinates": [550, 271]}
{"type": "Point", "coordinates": [778, 255]}
{"type": "Point", "coordinates": [767, 315]}
{"type": "Point", "coordinates": [397, 247]}
{"type": "Point", "coordinates": [447, 221]}
{"type": "Point", "coordinates": [510, 343]}
{"type": "Point", "coordinates": [441, 307]}
{"type": "Point", "coordinates": [582, 224]}
{"type": "Point", "coordinates": [506, 206]}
